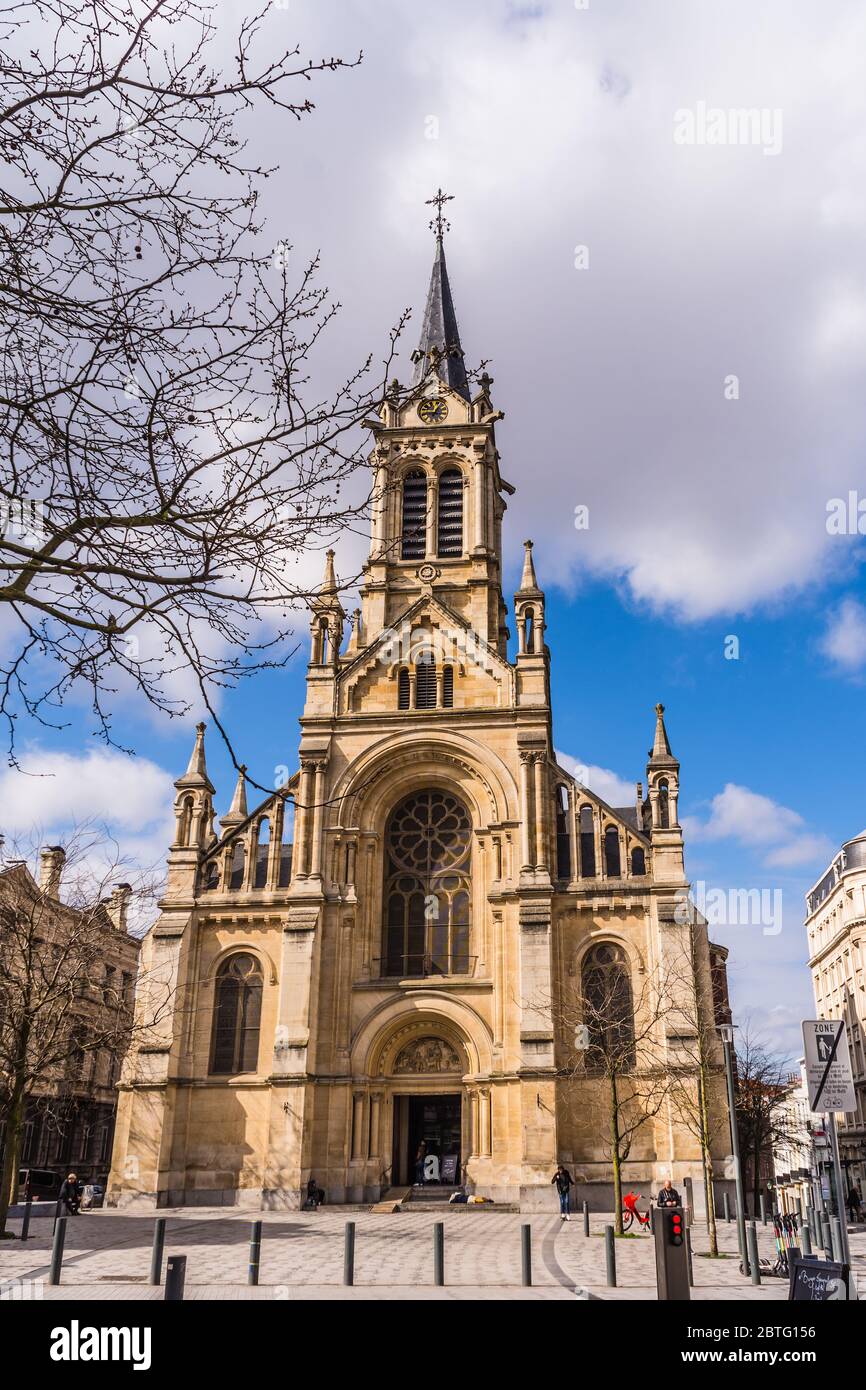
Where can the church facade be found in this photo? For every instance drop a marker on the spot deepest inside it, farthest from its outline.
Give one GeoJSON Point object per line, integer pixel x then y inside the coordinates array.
{"type": "Point", "coordinates": [408, 971]}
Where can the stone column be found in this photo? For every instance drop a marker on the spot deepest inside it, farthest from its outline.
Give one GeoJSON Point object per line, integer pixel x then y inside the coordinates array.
{"type": "Point", "coordinates": [275, 847]}
{"type": "Point", "coordinates": [302, 804]}
{"type": "Point", "coordinates": [357, 1125]}
{"type": "Point", "coordinates": [525, 851]}
{"type": "Point", "coordinates": [430, 517]}
{"type": "Point", "coordinates": [350, 863]}
{"type": "Point", "coordinates": [597, 842]}
{"type": "Point", "coordinates": [521, 634]}
{"type": "Point", "coordinates": [440, 686]}
{"type": "Point", "coordinates": [497, 857]}
{"type": "Point", "coordinates": [473, 1123]}
{"type": "Point", "coordinates": [572, 833]}
{"type": "Point", "coordinates": [318, 817]}
{"type": "Point", "coordinates": [479, 504]}
{"type": "Point", "coordinates": [540, 811]}
{"type": "Point", "coordinates": [373, 1147]}
{"type": "Point", "coordinates": [412, 704]}
{"type": "Point", "coordinates": [486, 1117]}
{"type": "Point", "coordinates": [379, 513]}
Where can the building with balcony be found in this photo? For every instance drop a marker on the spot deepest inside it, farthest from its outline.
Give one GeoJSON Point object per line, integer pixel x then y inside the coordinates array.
{"type": "Point", "coordinates": [836, 930]}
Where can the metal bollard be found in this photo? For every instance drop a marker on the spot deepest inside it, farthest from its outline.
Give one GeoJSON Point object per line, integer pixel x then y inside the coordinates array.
{"type": "Point", "coordinates": [255, 1252]}
{"type": "Point", "coordinates": [175, 1277]}
{"type": "Point", "coordinates": [25, 1225]}
{"type": "Point", "coordinates": [610, 1256]}
{"type": "Point", "coordinates": [156, 1252]}
{"type": "Point", "coordinates": [439, 1253]}
{"type": "Point", "coordinates": [586, 1218]}
{"type": "Point", "coordinates": [763, 1206]}
{"type": "Point", "coordinates": [689, 1257]}
{"type": "Point", "coordinates": [526, 1255]}
{"type": "Point", "coordinates": [349, 1254]}
{"type": "Point", "coordinates": [836, 1240]}
{"type": "Point", "coordinates": [652, 1217]}
{"type": "Point", "coordinates": [805, 1239]}
{"type": "Point", "coordinates": [57, 1249]}
{"type": "Point", "coordinates": [752, 1243]}
{"type": "Point", "coordinates": [727, 1205]}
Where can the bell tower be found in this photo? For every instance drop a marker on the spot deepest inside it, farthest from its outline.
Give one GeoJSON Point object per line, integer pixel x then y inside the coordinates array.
{"type": "Point", "coordinates": [439, 497]}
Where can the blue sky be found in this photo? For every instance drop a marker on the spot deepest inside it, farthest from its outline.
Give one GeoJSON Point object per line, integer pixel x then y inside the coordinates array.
{"type": "Point", "coordinates": [554, 129]}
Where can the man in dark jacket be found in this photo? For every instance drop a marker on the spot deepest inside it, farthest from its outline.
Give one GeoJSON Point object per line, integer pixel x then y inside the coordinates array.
{"type": "Point", "coordinates": [69, 1197]}
{"type": "Point", "coordinates": [563, 1180]}
{"type": "Point", "coordinates": [669, 1197]}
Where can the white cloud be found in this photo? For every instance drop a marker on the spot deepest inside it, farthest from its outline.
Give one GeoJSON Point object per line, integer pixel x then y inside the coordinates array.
{"type": "Point", "coordinates": [612, 788]}
{"type": "Point", "coordinates": [844, 641]}
{"type": "Point", "coordinates": [116, 812]}
{"type": "Point", "coordinates": [754, 820]}
{"type": "Point", "coordinates": [555, 129]}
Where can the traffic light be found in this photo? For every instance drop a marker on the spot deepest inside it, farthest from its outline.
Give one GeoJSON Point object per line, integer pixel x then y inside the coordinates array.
{"type": "Point", "coordinates": [675, 1235]}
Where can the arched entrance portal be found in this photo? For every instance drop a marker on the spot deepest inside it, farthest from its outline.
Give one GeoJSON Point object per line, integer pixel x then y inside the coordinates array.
{"type": "Point", "coordinates": [427, 1138]}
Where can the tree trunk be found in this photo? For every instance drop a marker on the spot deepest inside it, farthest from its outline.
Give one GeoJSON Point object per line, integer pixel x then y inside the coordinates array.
{"type": "Point", "coordinates": [707, 1161]}
{"type": "Point", "coordinates": [11, 1149]}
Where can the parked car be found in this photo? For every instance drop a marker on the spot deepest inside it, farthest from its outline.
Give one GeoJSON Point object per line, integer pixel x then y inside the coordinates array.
{"type": "Point", "coordinates": [39, 1183]}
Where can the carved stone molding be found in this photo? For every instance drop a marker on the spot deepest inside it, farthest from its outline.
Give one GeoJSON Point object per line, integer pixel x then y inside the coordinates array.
{"type": "Point", "coordinates": [427, 1056]}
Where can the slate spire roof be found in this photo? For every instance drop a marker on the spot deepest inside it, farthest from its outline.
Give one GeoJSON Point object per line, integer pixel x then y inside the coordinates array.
{"type": "Point", "coordinates": [440, 337]}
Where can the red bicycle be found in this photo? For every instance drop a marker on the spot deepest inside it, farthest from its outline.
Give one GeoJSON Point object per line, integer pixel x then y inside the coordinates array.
{"type": "Point", "coordinates": [630, 1211]}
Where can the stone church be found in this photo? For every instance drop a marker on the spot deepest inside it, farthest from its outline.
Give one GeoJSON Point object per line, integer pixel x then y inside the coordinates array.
{"type": "Point", "coordinates": [392, 949]}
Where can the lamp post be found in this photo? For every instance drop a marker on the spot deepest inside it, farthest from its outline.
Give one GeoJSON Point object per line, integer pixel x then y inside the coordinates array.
{"type": "Point", "coordinates": [726, 1033]}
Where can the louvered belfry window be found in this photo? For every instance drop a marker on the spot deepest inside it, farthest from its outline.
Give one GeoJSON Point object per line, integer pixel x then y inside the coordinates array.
{"type": "Point", "coordinates": [414, 532]}
{"type": "Point", "coordinates": [425, 682]}
{"type": "Point", "coordinates": [450, 536]}
{"type": "Point", "coordinates": [448, 687]}
{"type": "Point", "coordinates": [403, 689]}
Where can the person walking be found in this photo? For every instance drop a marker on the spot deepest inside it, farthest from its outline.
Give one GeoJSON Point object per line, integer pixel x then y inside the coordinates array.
{"type": "Point", "coordinates": [852, 1201]}
{"type": "Point", "coordinates": [563, 1182]}
{"type": "Point", "coordinates": [668, 1196]}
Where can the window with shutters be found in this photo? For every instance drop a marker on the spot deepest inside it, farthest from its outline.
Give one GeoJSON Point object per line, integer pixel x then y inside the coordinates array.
{"type": "Point", "coordinates": [425, 682]}
{"type": "Point", "coordinates": [450, 528]}
{"type": "Point", "coordinates": [414, 526]}
{"type": "Point", "coordinates": [237, 1016]}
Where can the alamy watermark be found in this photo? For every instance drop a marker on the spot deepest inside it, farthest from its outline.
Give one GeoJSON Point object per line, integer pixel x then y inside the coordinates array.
{"type": "Point", "coordinates": [22, 518]}
{"type": "Point", "coordinates": [732, 907]}
{"type": "Point", "coordinates": [734, 125]}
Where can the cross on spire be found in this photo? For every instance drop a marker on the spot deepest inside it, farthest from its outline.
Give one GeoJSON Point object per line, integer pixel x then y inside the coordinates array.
{"type": "Point", "coordinates": [440, 224]}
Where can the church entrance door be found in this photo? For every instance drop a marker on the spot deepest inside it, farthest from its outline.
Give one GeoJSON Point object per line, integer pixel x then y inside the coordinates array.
{"type": "Point", "coordinates": [435, 1122]}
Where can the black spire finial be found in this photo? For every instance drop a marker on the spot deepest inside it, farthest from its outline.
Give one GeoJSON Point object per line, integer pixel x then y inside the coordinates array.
{"type": "Point", "coordinates": [440, 224]}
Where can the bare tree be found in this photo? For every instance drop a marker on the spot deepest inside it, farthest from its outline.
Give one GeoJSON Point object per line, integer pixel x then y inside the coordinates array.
{"type": "Point", "coordinates": [166, 458]}
{"type": "Point", "coordinates": [697, 1076]}
{"type": "Point", "coordinates": [619, 1054]}
{"type": "Point", "coordinates": [64, 1002]}
{"type": "Point", "coordinates": [763, 1117]}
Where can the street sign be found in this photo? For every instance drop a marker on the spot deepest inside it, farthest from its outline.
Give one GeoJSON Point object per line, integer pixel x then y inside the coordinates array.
{"type": "Point", "coordinates": [828, 1066]}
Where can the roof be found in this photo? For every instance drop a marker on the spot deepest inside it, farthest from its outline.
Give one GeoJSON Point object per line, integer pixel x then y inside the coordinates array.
{"type": "Point", "coordinates": [440, 337]}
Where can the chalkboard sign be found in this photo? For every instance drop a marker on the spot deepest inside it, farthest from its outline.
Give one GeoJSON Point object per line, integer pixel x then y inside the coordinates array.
{"type": "Point", "coordinates": [449, 1168]}
{"type": "Point", "coordinates": [817, 1281]}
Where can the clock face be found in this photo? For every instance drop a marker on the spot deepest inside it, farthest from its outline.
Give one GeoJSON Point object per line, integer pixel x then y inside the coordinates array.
{"type": "Point", "coordinates": [433, 410]}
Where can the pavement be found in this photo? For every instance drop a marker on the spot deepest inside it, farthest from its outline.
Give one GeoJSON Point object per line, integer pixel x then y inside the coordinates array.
{"type": "Point", "coordinates": [107, 1257]}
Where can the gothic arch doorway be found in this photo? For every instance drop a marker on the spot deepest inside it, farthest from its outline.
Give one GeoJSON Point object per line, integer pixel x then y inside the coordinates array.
{"type": "Point", "coordinates": [427, 1134]}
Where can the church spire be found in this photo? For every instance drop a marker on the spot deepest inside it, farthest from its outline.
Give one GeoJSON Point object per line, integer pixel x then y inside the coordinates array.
{"type": "Point", "coordinates": [528, 581]}
{"type": "Point", "coordinates": [439, 346]}
{"type": "Point", "coordinates": [196, 773]}
{"type": "Point", "coordinates": [661, 750]}
{"type": "Point", "coordinates": [237, 812]}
